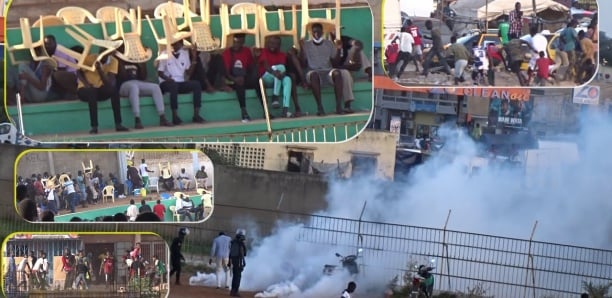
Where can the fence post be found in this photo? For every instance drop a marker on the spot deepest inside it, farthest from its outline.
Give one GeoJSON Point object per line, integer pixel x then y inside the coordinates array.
{"type": "Point", "coordinates": [445, 252]}
{"type": "Point", "coordinates": [530, 264]}
{"type": "Point", "coordinates": [359, 236]}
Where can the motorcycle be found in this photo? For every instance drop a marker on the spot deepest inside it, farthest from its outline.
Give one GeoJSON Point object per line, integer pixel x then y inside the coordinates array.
{"type": "Point", "coordinates": [423, 282]}
{"type": "Point", "coordinates": [348, 262]}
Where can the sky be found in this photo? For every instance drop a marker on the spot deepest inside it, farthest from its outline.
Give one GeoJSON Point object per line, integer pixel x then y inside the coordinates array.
{"type": "Point", "coordinates": [605, 24]}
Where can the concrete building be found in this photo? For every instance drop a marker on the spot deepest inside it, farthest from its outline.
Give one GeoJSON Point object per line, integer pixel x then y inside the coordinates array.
{"type": "Point", "coordinates": [370, 151]}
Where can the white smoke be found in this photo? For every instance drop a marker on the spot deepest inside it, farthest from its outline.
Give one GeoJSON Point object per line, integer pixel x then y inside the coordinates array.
{"type": "Point", "coordinates": [566, 191]}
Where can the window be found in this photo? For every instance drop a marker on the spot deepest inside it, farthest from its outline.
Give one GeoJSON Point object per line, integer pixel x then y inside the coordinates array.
{"type": "Point", "coordinates": [299, 161]}
{"type": "Point", "coordinates": [363, 164]}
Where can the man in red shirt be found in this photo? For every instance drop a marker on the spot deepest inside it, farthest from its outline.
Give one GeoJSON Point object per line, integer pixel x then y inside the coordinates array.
{"type": "Point", "coordinates": [391, 53]}
{"type": "Point", "coordinates": [417, 47]}
{"type": "Point", "coordinates": [271, 64]}
{"type": "Point", "coordinates": [543, 68]}
{"type": "Point", "coordinates": [160, 210]}
{"type": "Point", "coordinates": [495, 57]}
{"type": "Point", "coordinates": [239, 64]}
{"type": "Point", "coordinates": [69, 266]}
{"type": "Point", "coordinates": [108, 264]}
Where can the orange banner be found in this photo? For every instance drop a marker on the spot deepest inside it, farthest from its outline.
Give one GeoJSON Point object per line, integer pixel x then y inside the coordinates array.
{"type": "Point", "coordinates": [383, 82]}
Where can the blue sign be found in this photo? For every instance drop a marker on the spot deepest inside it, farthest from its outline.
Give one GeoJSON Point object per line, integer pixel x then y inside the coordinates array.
{"type": "Point", "coordinates": [423, 106]}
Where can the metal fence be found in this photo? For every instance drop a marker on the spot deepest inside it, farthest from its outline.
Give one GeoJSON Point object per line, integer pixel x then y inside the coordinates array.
{"type": "Point", "coordinates": [124, 282]}
{"type": "Point", "coordinates": [330, 132]}
{"type": "Point", "coordinates": [503, 267]}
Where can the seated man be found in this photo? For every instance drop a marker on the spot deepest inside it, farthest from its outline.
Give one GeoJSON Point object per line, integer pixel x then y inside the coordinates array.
{"type": "Point", "coordinates": [183, 180]}
{"type": "Point", "coordinates": [132, 81]}
{"type": "Point", "coordinates": [173, 72]}
{"type": "Point", "coordinates": [64, 79]}
{"type": "Point", "coordinates": [239, 70]}
{"type": "Point", "coordinates": [33, 80]}
{"type": "Point", "coordinates": [201, 177]}
{"type": "Point", "coordinates": [210, 72]}
{"type": "Point", "coordinates": [322, 60]}
{"type": "Point", "coordinates": [271, 65]}
{"type": "Point", "coordinates": [100, 85]}
{"type": "Point", "coordinates": [353, 57]}
{"type": "Point", "coordinates": [184, 206]}
{"type": "Point", "coordinates": [166, 178]}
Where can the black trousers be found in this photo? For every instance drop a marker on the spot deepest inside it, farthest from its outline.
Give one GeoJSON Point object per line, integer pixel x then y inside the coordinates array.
{"type": "Point", "coordinates": [213, 73]}
{"type": "Point", "coordinates": [405, 58]}
{"type": "Point", "coordinates": [176, 268]}
{"type": "Point", "coordinates": [237, 274]}
{"type": "Point", "coordinates": [92, 96]}
{"type": "Point", "coordinates": [70, 277]}
{"type": "Point", "coordinates": [175, 88]}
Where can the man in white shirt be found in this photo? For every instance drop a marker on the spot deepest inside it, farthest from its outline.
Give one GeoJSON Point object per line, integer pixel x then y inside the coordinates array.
{"type": "Point", "coordinates": [51, 202]}
{"type": "Point", "coordinates": [220, 252]}
{"type": "Point", "coordinates": [173, 72]}
{"type": "Point", "coordinates": [406, 41]}
{"type": "Point", "coordinates": [40, 270]}
{"type": "Point", "coordinates": [183, 180]}
{"type": "Point", "coordinates": [349, 289]}
{"type": "Point", "coordinates": [132, 211]}
{"type": "Point", "coordinates": [538, 43]}
{"type": "Point", "coordinates": [144, 173]}
{"type": "Point", "coordinates": [22, 273]}
{"type": "Point", "coordinates": [184, 206]}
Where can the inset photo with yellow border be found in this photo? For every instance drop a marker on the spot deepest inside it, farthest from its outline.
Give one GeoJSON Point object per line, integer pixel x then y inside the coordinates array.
{"type": "Point", "coordinates": [85, 265]}
{"type": "Point", "coordinates": [114, 186]}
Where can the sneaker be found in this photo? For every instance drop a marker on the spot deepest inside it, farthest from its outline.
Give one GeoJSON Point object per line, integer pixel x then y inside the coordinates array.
{"type": "Point", "coordinates": [120, 127]}
{"type": "Point", "coordinates": [198, 119]}
{"type": "Point", "coordinates": [176, 120]}
{"type": "Point", "coordinates": [164, 122]}
{"type": "Point", "coordinates": [138, 125]}
{"type": "Point", "coordinates": [93, 131]}
{"type": "Point", "coordinates": [246, 118]}
{"type": "Point", "coordinates": [275, 104]}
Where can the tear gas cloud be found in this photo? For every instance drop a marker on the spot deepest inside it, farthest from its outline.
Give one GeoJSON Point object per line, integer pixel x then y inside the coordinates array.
{"type": "Point", "coordinates": [565, 190]}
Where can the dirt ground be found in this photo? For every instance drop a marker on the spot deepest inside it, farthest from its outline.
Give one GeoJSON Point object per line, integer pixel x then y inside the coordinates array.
{"type": "Point", "coordinates": [185, 290]}
{"type": "Point", "coordinates": [502, 78]}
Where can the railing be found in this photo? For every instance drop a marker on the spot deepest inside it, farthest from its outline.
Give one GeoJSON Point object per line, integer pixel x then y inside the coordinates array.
{"type": "Point", "coordinates": [335, 132]}
{"type": "Point", "coordinates": [505, 267]}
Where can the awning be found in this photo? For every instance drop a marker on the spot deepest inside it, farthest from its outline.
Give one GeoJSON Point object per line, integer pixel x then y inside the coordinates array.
{"type": "Point", "coordinates": [385, 83]}
{"type": "Point", "coordinates": [498, 8]}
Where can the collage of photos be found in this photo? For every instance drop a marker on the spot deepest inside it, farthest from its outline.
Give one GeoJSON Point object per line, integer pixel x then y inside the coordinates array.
{"type": "Point", "coordinates": [306, 149]}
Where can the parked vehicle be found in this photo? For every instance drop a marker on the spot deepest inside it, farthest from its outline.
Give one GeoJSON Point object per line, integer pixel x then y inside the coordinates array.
{"type": "Point", "coordinates": [349, 263]}
{"type": "Point", "coordinates": [423, 282]}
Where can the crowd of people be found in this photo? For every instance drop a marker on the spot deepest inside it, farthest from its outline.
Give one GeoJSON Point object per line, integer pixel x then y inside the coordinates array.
{"type": "Point", "coordinates": [318, 63]}
{"type": "Point", "coordinates": [576, 52]}
{"type": "Point", "coordinates": [32, 272]}
{"type": "Point", "coordinates": [41, 197]}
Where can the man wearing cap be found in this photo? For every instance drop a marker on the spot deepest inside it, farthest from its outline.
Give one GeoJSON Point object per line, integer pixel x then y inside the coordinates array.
{"type": "Point", "coordinates": [173, 72]}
